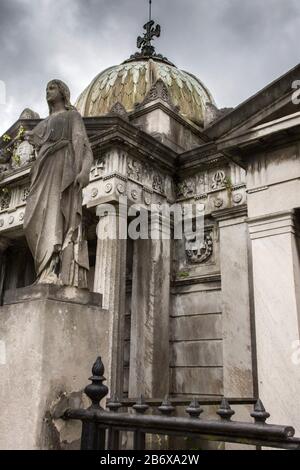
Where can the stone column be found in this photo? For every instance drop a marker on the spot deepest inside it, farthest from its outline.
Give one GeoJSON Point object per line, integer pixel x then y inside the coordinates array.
{"type": "Point", "coordinates": [276, 272]}
{"type": "Point", "coordinates": [110, 281]}
{"type": "Point", "coordinates": [4, 244]}
{"type": "Point", "coordinates": [237, 337]}
{"type": "Point", "coordinates": [149, 349]}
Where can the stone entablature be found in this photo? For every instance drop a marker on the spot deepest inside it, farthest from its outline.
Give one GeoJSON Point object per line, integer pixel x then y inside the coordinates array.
{"type": "Point", "coordinates": [118, 174]}
{"type": "Point", "coordinates": [217, 188]}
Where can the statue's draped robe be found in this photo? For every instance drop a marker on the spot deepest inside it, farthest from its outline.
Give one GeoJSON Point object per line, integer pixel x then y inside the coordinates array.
{"type": "Point", "coordinates": [53, 218]}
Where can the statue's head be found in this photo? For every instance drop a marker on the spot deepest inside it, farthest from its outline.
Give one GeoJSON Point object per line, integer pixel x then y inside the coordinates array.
{"type": "Point", "coordinates": [58, 91]}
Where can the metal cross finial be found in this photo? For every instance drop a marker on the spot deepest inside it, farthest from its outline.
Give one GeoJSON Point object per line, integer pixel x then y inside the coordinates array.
{"type": "Point", "coordinates": [145, 43]}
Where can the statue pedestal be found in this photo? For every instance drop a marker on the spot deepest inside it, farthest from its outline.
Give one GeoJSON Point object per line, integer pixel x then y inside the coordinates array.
{"type": "Point", "coordinates": [49, 339]}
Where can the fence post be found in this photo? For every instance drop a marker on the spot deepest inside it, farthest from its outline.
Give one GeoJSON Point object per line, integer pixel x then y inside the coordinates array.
{"type": "Point", "coordinates": [139, 442]}
{"type": "Point", "coordinates": [114, 434]}
{"type": "Point", "coordinates": [93, 436]}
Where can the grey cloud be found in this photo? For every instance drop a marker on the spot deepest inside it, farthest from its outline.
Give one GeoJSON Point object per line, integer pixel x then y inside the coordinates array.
{"type": "Point", "coordinates": [236, 47]}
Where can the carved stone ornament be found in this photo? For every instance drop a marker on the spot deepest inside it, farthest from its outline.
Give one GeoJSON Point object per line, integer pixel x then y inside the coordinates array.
{"type": "Point", "coordinates": [119, 109]}
{"type": "Point", "coordinates": [97, 169]}
{"type": "Point", "coordinates": [147, 199]}
{"type": "Point", "coordinates": [24, 154]}
{"type": "Point", "coordinates": [159, 91]}
{"type": "Point", "coordinates": [25, 193]}
{"type": "Point", "coordinates": [108, 188]}
{"type": "Point", "coordinates": [121, 188]}
{"type": "Point", "coordinates": [134, 195]}
{"type": "Point", "coordinates": [237, 198]}
{"type": "Point", "coordinates": [218, 180]}
{"type": "Point", "coordinates": [186, 188]}
{"type": "Point", "coordinates": [5, 198]}
{"type": "Point", "coordinates": [218, 203]}
{"type": "Point", "coordinates": [158, 183]}
{"type": "Point", "coordinates": [202, 253]}
{"type": "Point", "coordinates": [134, 170]}
{"type": "Point", "coordinates": [94, 193]}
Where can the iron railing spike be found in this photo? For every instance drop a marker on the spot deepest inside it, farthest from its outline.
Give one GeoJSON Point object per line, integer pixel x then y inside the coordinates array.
{"type": "Point", "coordinates": [194, 409]}
{"type": "Point", "coordinates": [260, 414]}
{"type": "Point", "coordinates": [225, 411]}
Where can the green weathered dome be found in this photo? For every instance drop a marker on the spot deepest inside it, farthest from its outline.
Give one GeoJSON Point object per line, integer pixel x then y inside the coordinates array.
{"type": "Point", "coordinates": [130, 82]}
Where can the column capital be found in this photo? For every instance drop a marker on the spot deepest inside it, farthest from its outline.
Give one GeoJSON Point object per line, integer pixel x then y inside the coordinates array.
{"type": "Point", "coordinates": [232, 216]}
{"type": "Point", "coordinates": [271, 225]}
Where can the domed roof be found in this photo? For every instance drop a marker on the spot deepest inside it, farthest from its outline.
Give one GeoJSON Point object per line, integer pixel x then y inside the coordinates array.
{"type": "Point", "coordinates": [130, 82]}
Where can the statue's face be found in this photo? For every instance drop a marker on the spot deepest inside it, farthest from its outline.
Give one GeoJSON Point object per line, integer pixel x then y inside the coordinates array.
{"type": "Point", "coordinates": [53, 93]}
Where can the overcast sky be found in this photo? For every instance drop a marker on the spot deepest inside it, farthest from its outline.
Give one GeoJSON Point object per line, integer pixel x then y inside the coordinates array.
{"type": "Point", "coordinates": [235, 47]}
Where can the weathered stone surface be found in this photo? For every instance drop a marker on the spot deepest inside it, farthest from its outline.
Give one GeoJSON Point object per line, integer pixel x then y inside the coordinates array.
{"type": "Point", "coordinates": [197, 303]}
{"type": "Point", "coordinates": [51, 292]}
{"type": "Point", "coordinates": [197, 354]}
{"type": "Point", "coordinates": [110, 281]}
{"type": "Point", "coordinates": [200, 327]}
{"type": "Point", "coordinates": [50, 346]}
{"type": "Point", "coordinates": [198, 381]}
{"type": "Point", "coordinates": [237, 328]}
{"type": "Point", "coordinates": [276, 272]}
{"type": "Point", "coordinates": [149, 352]}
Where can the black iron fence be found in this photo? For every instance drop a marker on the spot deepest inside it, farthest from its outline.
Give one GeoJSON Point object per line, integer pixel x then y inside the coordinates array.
{"type": "Point", "coordinates": [101, 429]}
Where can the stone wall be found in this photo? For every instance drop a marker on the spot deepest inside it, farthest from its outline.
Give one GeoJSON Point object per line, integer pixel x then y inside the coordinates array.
{"type": "Point", "coordinates": [196, 340]}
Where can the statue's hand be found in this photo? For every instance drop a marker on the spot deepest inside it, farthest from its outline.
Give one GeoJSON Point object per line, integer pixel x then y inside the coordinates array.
{"type": "Point", "coordinates": [82, 180]}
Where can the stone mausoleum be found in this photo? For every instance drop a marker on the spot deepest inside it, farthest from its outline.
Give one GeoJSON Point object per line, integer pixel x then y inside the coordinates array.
{"type": "Point", "coordinates": [221, 320]}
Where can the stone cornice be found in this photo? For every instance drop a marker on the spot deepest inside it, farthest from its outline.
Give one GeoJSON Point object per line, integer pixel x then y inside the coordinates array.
{"type": "Point", "coordinates": [16, 175]}
{"type": "Point", "coordinates": [260, 134]}
{"type": "Point", "coordinates": [201, 158]}
{"type": "Point", "coordinates": [137, 142]}
{"type": "Point", "coordinates": [198, 279]}
{"type": "Point", "coordinates": [230, 213]}
{"type": "Point", "coordinates": [247, 111]}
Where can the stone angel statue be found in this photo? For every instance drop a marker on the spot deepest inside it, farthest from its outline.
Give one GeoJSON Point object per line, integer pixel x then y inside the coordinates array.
{"type": "Point", "coordinates": [53, 217]}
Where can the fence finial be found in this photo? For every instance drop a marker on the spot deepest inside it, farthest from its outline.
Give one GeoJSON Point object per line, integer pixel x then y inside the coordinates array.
{"type": "Point", "coordinates": [114, 404]}
{"type": "Point", "coordinates": [166, 407]}
{"type": "Point", "coordinates": [260, 414]}
{"type": "Point", "coordinates": [141, 406]}
{"type": "Point", "coordinates": [96, 391]}
{"type": "Point", "coordinates": [194, 409]}
{"type": "Point", "coordinates": [225, 411]}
